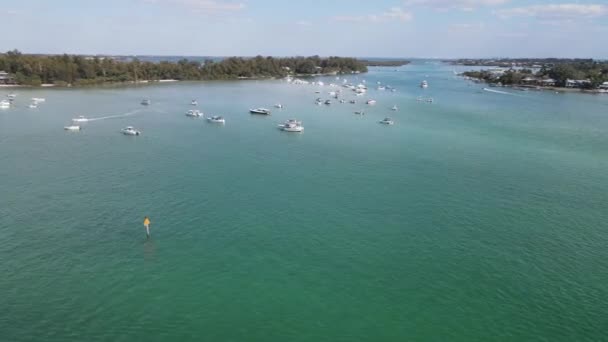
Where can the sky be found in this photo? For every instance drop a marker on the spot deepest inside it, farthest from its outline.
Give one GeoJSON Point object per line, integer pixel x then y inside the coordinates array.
{"type": "Point", "coordinates": [359, 28]}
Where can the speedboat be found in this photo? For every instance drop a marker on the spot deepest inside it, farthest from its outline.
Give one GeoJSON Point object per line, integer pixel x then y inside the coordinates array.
{"type": "Point", "coordinates": [217, 119]}
{"type": "Point", "coordinates": [278, 105]}
{"type": "Point", "coordinates": [371, 102]}
{"type": "Point", "coordinates": [194, 113]}
{"type": "Point", "coordinates": [394, 108]}
{"type": "Point", "coordinates": [145, 102]}
{"type": "Point", "coordinates": [262, 111]}
{"type": "Point", "coordinates": [129, 130]}
{"type": "Point", "coordinates": [5, 104]}
{"type": "Point", "coordinates": [194, 103]}
{"type": "Point", "coordinates": [327, 102]}
{"type": "Point", "coordinates": [80, 118]}
{"type": "Point", "coordinates": [72, 127]}
{"type": "Point", "coordinates": [386, 121]}
{"type": "Point", "coordinates": [292, 126]}
{"type": "Point", "coordinates": [424, 84]}
{"type": "Point", "coordinates": [360, 112]}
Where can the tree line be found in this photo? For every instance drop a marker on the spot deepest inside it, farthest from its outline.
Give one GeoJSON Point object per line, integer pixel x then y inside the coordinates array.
{"type": "Point", "coordinates": [81, 70]}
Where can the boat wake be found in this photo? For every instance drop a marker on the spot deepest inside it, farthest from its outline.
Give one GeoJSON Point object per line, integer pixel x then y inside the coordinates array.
{"type": "Point", "coordinates": [116, 116]}
{"type": "Point", "coordinates": [499, 92]}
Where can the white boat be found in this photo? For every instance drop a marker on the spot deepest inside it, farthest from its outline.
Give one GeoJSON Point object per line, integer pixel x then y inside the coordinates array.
{"type": "Point", "coordinates": [424, 84]}
{"type": "Point", "coordinates": [5, 104]}
{"type": "Point", "coordinates": [72, 127]}
{"type": "Point", "coordinates": [262, 111]}
{"type": "Point", "coordinates": [80, 118]}
{"type": "Point", "coordinates": [217, 119]}
{"type": "Point", "coordinates": [278, 105]}
{"type": "Point", "coordinates": [33, 105]}
{"type": "Point", "coordinates": [371, 102]}
{"type": "Point", "coordinates": [11, 96]}
{"type": "Point", "coordinates": [360, 112]}
{"type": "Point", "coordinates": [394, 108]}
{"type": "Point", "coordinates": [342, 101]}
{"type": "Point", "coordinates": [381, 88]}
{"type": "Point", "coordinates": [38, 99]}
{"type": "Point", "coordinates": [129, 130]}
{"type": "Point", "coordinates": [352, 101]}
{"type": "Point", "coordinates": [327, 102]}
{"type": "Point", "coordinates": [194, 103]}
{"type": "Point", "coordinates": [145, 102]}
{"type": "Point", "coordinates": [194, 113]}
{"type": "Point", "coordinates": [386, 121]}
{"type": "Point", "coordinates": [292, 125]}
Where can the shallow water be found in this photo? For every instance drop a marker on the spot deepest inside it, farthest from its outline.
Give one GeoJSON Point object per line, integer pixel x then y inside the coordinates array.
{"type": "Point", "coordinates": [479, 217]}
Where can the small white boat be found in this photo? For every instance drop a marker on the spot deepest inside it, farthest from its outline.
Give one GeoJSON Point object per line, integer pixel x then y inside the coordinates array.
{"type": "Point", "coordinates": [424, 84]}
{"type": "Point", "coordinates": [342, 101]}
{"type": "Point", "coordinates": [217, 119]}
{"type": "Point", "coordinates": [278, 105]}
{"type": "Point", "coordinates": [327, 102]}
{"type": "Point", "coordinates": [371, 102]}
{"type": "Point", "coordinates": [381, 88]}
{"type": "Point", "coordinates": [360, 112]}
{"type": "Point", "coordinates": [80, 118]}
{"type": "Point", "coordinates": [194, 103]}
{"type": "Point", "coordinates": [394, 108]}
{"type": "Point", "coordinates": [129, 130]}
{"type": "Point", "coordinates": [33, 105]}
{"type": "Point", "coordinates": [352, 101]}
{"type": "Point", "coordinates": [38, 99]}
{"type": "Point", "coordinates": [262, 111]}
{"type": "Point", "coordinates": [146, 102]}
{"type": "Point", "coordinates": [72, 127]}
{"type": "Point", "coordinates": [360, 94]}
{"type": "Point", "coordinates": [194, 113]}
{"type": "Point", "coordinates": [386, 121]}
{"type": "Point", "coordinates": [5, 104]}
{"type": "Point", "coordinates": [292, 126]}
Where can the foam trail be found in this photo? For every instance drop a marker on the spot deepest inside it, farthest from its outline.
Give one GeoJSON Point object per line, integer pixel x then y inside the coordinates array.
{"type": "Point", "coordinates": [499, 92]}
{"type": "Point", "coordinates": [116, 116]}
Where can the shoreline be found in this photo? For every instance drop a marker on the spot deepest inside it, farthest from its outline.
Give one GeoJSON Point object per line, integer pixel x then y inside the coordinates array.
{"type": "Point", "coordinates": [539, 88]}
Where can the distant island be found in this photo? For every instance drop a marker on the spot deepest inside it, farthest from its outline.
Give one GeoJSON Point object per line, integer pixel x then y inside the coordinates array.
{"type": "Point", "coordinates": [518, 62]}
{"type": "Point", "coordinates": [385, 63]}
{"type": "Point", "coordinates": [583, 74]}
{"type": "Point", "coordinates": [67, 70]}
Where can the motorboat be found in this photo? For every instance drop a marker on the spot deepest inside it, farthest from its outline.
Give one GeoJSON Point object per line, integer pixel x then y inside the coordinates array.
{"type": "Point", "coordinates": [11, 96]}
{"type": "Point", "coordinates": [80, 118]}
{"type": "Point", "coordinates": [360, 112]}
{"type": "Point", "coordinates": [327, 102]}
{"type": "Point", "coordinates": [5, 104]}
{"type": "Point", "coordinates": [129, 130]}
{"type": "Point", "coordinates": [72, 127]}
{"type": "Point", "coordinates": [319, 103]}
{"type": "Point", "coordinates": [33, 105]}
{"type": "Point", "coordinates": [292, 126]}
{"type": "Point", "coordinates": [381, 88]}
{"type": "Point", "coordinates": [386, 121]}
{"type": "Point", "coordinates": [194, 103]}
{"type": "Point", "coordinates": [278, 105]}
{"type": "Point", "coordinates": [146, 102]}
{"type": "Point", "coordinates": [352, 101]}
{"type": "Point", "coordinates": [342, 101]}
{"type": "Point", "coordinates": [194, 113]}
{"type": "Point", "coordinates": [262, 111]}
{"type": "Point", "coordinates": [394, 108]}
{"type": "Point", "coordinates": [371, 102]}
{"type": "Point", "coordinates": [217, 119]}
{"type": "Point", "coordinates": [424, 84]}
{"type": "Point", "coordinates": [38, 99]}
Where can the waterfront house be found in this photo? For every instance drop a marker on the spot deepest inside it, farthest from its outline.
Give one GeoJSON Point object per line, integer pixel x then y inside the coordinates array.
{"type": "Point", "coordinates": [576, 83]}
{"type": "Point", "coordinates": [529, 80]}
{"type": "Point", "coordinates": [6, 78]}
{"type": "Point", "coordinates": [604, 86]}
{"type": "Point", "coordinates": [549, 82]}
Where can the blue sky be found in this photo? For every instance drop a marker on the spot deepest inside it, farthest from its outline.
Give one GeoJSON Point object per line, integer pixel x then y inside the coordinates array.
{"type": "Point", "coordinates": [390, 28]}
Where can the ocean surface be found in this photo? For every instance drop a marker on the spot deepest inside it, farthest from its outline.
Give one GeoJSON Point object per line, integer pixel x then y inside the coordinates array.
{"type": "Point", "coordinates": [480, 217]}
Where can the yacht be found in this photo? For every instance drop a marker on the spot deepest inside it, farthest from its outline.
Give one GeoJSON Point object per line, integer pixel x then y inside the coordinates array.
{"type": "Point", "coordinates": [129, 130]}
{"type": "Point", "coordinates": [278, 105]}
{"type": "Point", "coordinates": [194, 103]}
{"type": "Point", "coordinates": [72, 127]}
{"type": "Point", "coordinates": [262, 111]}
{"type": "Point", "coordinates": [5, 104]}
{"type": "Point", "coordinates": [145, 102]}
{"type": "Point", "coordinates": [292, 125]}
{"type": "Point", "coordinates": [80, 118]}
{"type": "Point", "coordinates": [424, 84]}
{"type": "Point", "coordinates": [387, 121]}
{"type": "Point", "coordinates": [395, 108]}
{"type": "Point", "coordinates": [371, 102]}
{"type": "Point", "coordinates": [194, 113]}
{"type": "Point", "coordinates": [217, 119]}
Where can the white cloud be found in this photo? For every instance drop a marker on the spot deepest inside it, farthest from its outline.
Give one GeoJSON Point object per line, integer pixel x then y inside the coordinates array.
{"type": "Point", "coordinates": [394, 13]}
{"type": "Point", "coordinates": [204, 6]}
{"type": "Point", "coordinates": [553, 12]}
{"type": "Point", "coordinates": [464, 5]}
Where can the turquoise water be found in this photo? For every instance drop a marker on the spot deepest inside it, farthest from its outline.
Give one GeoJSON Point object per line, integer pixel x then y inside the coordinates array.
{"type": "Point", "coordinates": [480, 217]}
